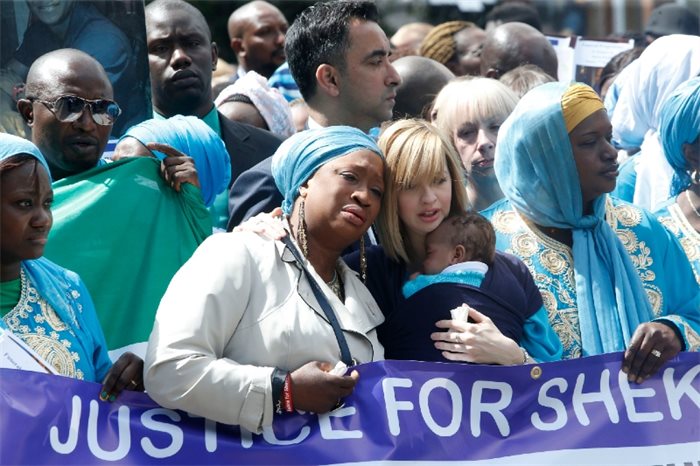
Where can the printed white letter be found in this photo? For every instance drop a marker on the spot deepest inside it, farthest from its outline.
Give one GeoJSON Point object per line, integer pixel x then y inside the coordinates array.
{"type": "Point", "coordinates": [392, 406]}
{"type": "Point", "coordinates": [604, 395]}
{"type": "Point", "coordinates": [629, 394]}
{"type": "Point", "coordinates": [327, 431]}
{"type": "Point", "coordinates": [555, 404]}
{"type": "Point", "coordinates": [684, 387]}
{"type": "Point", "coordinates": [494, 409]}
{"type": "Point", "coordinates": [455, 395]}
{"type": "Point", "coordinates": [124, 434]}
{"type": "Point", "coordinates": [174, 431]}
{"type": "Point", "coordinates": [73, 429]}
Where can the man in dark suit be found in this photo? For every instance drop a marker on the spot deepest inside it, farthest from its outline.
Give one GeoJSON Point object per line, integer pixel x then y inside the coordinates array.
{"type": "Point", "coordinates": [181, 57]}
{"type": "Point", "coordinates": [348, 81]}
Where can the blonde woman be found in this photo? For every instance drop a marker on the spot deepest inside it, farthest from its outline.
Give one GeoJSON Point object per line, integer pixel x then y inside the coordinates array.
{"type": "Point", "coordinates": [471, 111]}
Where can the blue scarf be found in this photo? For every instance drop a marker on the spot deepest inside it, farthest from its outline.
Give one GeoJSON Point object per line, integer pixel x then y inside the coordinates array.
{"type": "Point", "coordinates": [679, 123]}
{"type": "Point", "coordinates": [194, 138]}
{"type": "Point", "coordinates": [299, 156]}
{"type": "Point", "coordinates": [14, 145]}
{"type": "Point", "coordinates": [536, 170]}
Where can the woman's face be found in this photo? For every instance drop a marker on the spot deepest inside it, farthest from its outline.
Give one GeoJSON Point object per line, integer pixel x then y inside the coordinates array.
{"type": "Point", "coordinates": [467, 58]}
{"type": "Point", "coordinates": [25, 214]}
{"type": "Point", "coordinates": [423, 206]}
{"type": "Point", "coordinates": [475, 142]}
{"type": "Point", "coordinates": [343, 197]}
{"type": "Point", "coordinates": [595, 157]}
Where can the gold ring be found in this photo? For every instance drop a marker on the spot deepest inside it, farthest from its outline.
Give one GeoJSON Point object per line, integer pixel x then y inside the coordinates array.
{"type": "Point", "coordinates": [656, 353]}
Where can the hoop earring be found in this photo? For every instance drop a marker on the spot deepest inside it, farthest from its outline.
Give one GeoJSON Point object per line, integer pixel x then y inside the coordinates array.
{"type": "Point", "coordinates": [695, 177]}
{"type": "Point", "coordinates": [363, 260]}
{"type": "Point", "coordinates": [301, 230]}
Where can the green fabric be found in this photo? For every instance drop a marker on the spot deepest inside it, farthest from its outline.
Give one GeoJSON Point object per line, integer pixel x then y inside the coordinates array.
{"type": "Point", "coordinates": [9, 295]}
{"type": "Point", "coordinates": [126, 233]}
{"type": "Point", "coordinates": [212, 120]}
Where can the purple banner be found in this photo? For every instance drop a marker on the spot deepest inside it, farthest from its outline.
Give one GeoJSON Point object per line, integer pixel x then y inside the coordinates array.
{"type": "Point", "coordinates": [582, 410]}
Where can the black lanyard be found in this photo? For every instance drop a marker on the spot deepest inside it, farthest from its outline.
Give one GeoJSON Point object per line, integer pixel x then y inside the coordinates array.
{"type": "Point", "coordinates": [325, 305]}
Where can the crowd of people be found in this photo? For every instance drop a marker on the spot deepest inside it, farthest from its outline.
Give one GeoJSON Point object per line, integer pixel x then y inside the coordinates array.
{"type": "Point", "coordinates": [436, 196]}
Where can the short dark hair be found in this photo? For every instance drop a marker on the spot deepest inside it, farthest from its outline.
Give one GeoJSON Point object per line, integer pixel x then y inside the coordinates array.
{"type": "Point", "coordinates": [320, 35]}
{"type": "Point", "coordinates": [515, 11]}
{"type": "Point", "coordinates": [476, 234]}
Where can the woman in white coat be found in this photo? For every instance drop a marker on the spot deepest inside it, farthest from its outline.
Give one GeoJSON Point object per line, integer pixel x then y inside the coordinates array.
{"type": "Point", "coordinates": [241, 333]}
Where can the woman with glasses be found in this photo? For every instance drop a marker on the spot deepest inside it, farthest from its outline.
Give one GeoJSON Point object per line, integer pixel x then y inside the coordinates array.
{"type": "Point", "coordinates": [46, 306]}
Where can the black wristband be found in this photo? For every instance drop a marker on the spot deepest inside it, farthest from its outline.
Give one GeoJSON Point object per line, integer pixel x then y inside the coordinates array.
{"type": "Point", "coordinates": [278, 376]}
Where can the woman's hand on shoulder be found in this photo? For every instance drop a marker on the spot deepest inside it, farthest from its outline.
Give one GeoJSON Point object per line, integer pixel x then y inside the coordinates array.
{"type": "Point", "coordinates": [479, 341]}
{"type": "Point", "coordinates": [267, 225]}
{"type": "Point", "coordinates": [125, 374]}
{"type": "Point", "coordinates": [652, 344]}
{"type": "Point", "coordinates": [316, 389]}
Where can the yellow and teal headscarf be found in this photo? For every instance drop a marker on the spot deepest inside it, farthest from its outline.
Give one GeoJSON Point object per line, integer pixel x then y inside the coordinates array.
{"type": "Point", "coordinates": [298, 157]}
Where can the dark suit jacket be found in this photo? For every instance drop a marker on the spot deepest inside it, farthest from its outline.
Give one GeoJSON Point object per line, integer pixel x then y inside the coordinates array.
{"type": "Point", "coordinates": [246, 145]}
{"type": "Point", "coordinates": [253, 192]}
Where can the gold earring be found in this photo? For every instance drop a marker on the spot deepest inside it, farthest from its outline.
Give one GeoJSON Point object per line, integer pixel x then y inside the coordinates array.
{"type": "Point", "coordinates": [301, 230]}
{"type": "Point", "coordinates": [363, 260]}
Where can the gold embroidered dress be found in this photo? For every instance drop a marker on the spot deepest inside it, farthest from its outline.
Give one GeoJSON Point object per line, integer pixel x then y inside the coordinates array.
{"type": "Point", "coordinates": [673, 219]}
{"type": "Point", "coordinates": [660, 263]}
{"type": "Point", "coordinates": [56, 318]}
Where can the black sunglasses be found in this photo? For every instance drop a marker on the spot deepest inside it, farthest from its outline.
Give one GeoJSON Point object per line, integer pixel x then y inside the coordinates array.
{"type": "Point", "coordinates": [69, 108]}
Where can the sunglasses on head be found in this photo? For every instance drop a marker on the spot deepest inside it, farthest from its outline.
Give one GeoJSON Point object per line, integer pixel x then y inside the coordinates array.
{"type": "Point", "coordinates": [69, 108]}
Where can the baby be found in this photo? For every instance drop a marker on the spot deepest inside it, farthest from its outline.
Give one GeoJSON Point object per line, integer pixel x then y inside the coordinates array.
{"type": "Point", "coordinates": [460, 250]}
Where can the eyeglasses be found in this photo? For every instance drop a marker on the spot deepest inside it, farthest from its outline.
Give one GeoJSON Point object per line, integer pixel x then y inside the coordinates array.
{"type": "Point", "coordinates": [69, 108]}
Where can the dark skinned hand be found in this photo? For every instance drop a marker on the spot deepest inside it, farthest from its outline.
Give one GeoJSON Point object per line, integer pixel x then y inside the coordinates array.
{"type": "Point", "coordinates": [176, 168]}
{"type": "Point", "coordinates": [317, 391]}
{"type": "Point", "coordinates": [652, 344]}
{"type": "Point", "coordinates": [125, 374]}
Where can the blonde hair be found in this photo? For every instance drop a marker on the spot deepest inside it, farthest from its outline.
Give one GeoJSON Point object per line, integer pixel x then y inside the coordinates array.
{"type": "Point", "coordinates": [416, 152]}
{"type": "Point", "coordinates": [472, 99]}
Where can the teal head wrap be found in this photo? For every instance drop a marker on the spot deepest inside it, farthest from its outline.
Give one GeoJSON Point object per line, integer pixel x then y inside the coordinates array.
{"type": "Point", "coordinates": [14, 145]}
{"type": "Point", "coordinates": [679, 123]}
{"type": "Point", "coordinates": [192, 137]}
{"type": "Point", "coordinates": [298, 158]}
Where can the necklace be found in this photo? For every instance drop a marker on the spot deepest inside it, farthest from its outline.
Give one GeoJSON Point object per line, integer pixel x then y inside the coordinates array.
{"type": "Point", "coordinates": [336, 285]}
{"type": "Point", "coordinates": [692, 206]}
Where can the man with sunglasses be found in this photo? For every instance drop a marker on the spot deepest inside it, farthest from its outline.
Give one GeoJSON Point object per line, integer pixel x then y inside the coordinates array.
{"type": "Point", "coordinates": [69, 108]}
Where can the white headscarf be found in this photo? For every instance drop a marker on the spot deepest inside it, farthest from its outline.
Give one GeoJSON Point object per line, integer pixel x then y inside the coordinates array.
{"type": "Point", "coordinates": [648, 81]}
{"type": "Point", "coordinates": [271, 104]}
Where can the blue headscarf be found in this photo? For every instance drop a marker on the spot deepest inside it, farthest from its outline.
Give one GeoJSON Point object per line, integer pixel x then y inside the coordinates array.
{"type": "Point", "coordinates": [14, 145]}
{"type": "Point", "coordinates": [536, 170]}
{"type": "Point", "coordinates": [298, 157]}
{"type": "Point", "coordinates": [194, 138]}
{"type": "Point", "coordinates": [42, 272]}
{"type": "Point", "coordinates": [679, 123]}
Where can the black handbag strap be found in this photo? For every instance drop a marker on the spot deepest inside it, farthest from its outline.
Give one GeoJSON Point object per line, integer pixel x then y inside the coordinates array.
{"type": "Point", "coordinates": [325, 305]}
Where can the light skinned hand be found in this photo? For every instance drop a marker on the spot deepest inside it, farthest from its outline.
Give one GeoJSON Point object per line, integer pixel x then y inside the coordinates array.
{"type": "Point", "coordinates": [125, 374]}
{"type": "Point", "coordinates": [316, 390]}
{"type": "Point", "coordinates": [478, 341]}
{"type": "Point", "coordinates": [640, 361]}
{"type": "Point", "coordinates": [267, 225]}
